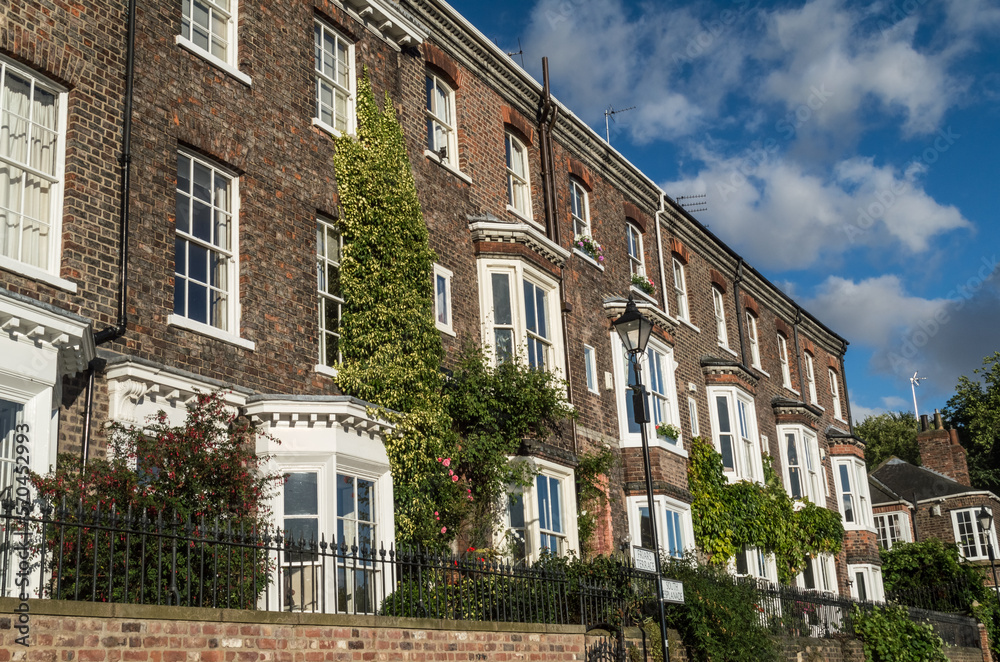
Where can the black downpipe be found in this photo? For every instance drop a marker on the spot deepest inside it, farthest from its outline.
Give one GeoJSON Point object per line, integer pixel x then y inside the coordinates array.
{"type": "Point", "coordinates": [798, 352]}
{"type": "Point", "coordinates": [115, 332]}
{"type": "Point", "coordinates": [847, 398]}
{"type": "Point", "coordinates": [739, 311]}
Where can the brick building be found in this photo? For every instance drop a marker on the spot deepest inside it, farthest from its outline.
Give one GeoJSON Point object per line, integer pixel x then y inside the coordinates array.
{"type": "Point", "coordinates": [230, 203]}
{"type": "Point", "coordinates": [934, 500]}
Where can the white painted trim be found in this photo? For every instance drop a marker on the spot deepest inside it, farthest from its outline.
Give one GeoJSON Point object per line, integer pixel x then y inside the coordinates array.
{"type": "Point", "coordinates": [586, 256]}
{"type": "Point", "coordinates": [661, 504]}
{"type": "Point", "coordinates": [210, 331]}
{"type": "Point", "coordinates": [227, 68]}
{"type": "Point", "coordinates": [34, 273]}
{"type": "Point", "coordinates": [431, 156]}
{"type": "Point", "coordinates": [325, 370]}
{"type": "Point", "coordinates": [447, 328]}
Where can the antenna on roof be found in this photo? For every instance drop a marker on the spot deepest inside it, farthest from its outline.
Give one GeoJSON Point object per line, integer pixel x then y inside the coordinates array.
{"type": "Point", "coordinates": [519, 51]}
{"type": "Point", "coordinates": [698, 203]}
{"type": "Point", "coordinates": [610, 114]}
{"type": "Point", "coordinates": [914, 383]}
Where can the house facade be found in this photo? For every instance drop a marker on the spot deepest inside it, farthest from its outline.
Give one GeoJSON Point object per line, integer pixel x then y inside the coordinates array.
{"type": "Point", "coordinates": [233, 254]}
{"type": "Point", "coordinates": [934, 500]}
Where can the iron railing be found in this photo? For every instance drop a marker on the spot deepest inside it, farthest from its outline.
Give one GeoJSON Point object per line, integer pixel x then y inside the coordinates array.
{"type": "Point", "coordinates": [71, 553]}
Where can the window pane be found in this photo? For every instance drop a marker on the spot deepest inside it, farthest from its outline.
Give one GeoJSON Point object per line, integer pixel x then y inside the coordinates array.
{"type": "Point", "coordinates": [301, 494]}
{"type": "Point", "coordinates": [556, 515]}
{"type": "Point", "coordinates": [442, 300]}
{"type": "Point", "coordinates": [345, 496]}
{"type": "Point", "coordinates": [501, 299]}
{"type": "Point", "coordinates": [543, 501]}
{"type": "Point", "coordinates": [530, 320]}
{"type": "Point", "coordinates": [645, 530]}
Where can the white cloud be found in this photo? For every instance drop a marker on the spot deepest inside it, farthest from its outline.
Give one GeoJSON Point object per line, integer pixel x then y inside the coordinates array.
{"type": "Point", "coordinates": [785, 217]}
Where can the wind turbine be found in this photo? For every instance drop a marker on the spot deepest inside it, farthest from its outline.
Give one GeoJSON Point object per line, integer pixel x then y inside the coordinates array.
{"type": "Point", "coordinates": [914, 383]}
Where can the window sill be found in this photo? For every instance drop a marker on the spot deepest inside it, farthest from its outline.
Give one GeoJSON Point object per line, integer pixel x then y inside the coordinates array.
{"type": "Point", "coordinates": [321, 369]}
{"type": "Point", "coordinates": [816, 405]}
{"type": "Point", "coordinates": [730, 350]}
{"type": "Point", "coordinates": [431, 156]}
{"type": "Point", "coordinates": [521, 216]}
{"type": "Point", "coordinates": [227, 68]}
{"type": "Point", "coordinates": [326, 128]}
{"type": "Point", "coordinates": [210, 331]}
{"type": "Point", "coordinates": [655, 442]}
{"type": "Point", "coordinates": [762, 371]}
{"type": "Point", "coordinates": [792, 390]}
{"type": "Point", "coordinates": [648, 297]}
{"type": "Point", "coordinates": [587, 257]}
{"type": "Point", "coordinates": [693, 327]}
{"type": "Point", "coordinates": [446, 329]}
{"type": "Point", "coordinates": [840, 420]}
{"type": "Point", "coordinates": [34, 273]}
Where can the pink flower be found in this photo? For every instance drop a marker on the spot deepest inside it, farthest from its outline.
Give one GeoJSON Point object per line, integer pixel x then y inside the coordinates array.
{"type": "Point", "coordinates": [450, 472]}
{"type": "Point", "coordinates": [435, 513]}
{"type": "Point", "coordinates": [454, 479]}
{"type": "Point", "coordinates": [439, 459]}
{"type": "Point", "coordinates": [447, 462]}
{"type": "Point", "coordinates": [444, 529]}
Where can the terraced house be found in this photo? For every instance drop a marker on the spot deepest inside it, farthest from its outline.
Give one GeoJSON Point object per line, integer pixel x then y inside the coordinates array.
{"type": "Point", "coordinates": [195, 166]}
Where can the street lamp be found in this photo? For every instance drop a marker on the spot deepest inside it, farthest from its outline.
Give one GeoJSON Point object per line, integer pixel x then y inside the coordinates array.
{"type": "Point", "coordinates": [985, 524]}
{"type": "Point", "coordinates": [634, 330]}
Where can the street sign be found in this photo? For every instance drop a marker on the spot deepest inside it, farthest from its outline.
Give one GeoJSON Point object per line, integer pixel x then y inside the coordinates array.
{"type": "Point", "coordinates": [673, 590]}
{"type": "Point", "coordinates": [644, 559]}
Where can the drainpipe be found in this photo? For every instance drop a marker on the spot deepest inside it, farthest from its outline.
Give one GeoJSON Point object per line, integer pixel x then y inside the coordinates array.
{"type": "Point", "coordinates": [739, 311]}
{"type": "Point", "coordinates": [798, 352]}
{"type": "Point", "coordinates": [115, 332]}
{"type": "Point", "coordinates": [659, 250]}
{"type": "Point", "coordinates": [847, 398]}
{"type": "Point", "coordinates": [546, 120]}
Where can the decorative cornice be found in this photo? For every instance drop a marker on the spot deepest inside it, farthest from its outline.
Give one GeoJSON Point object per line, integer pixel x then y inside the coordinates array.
{"type": "Point", "coordinates": [716, 368]}
{"type": "Point", "coordinates": [279, 411]}
{"type": "Point", "coordinates": [388, 20]}
{"type": "Point", "coordinates": [788, 408]}
{"type": "Point", "coordinates": [23, 319]}
{"type": "Point", "coordinates": [488, 229]}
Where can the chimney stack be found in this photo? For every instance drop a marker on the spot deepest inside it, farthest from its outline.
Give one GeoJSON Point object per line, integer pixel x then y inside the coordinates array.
{"type": "Point", "coordinates": [940, 450]}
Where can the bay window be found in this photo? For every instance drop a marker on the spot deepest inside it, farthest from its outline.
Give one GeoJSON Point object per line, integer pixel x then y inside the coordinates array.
{"type": "Point", "coordinates": [852, 492]}
{"type": "Point", "coordinates": [541, 518]}
{"type": "Point", "coordinates": [734, 432]}
{"type": "Point", "coordinates": [657, 366]}
{"type": "Point", "coordinates": [673, 525]}
{"type": "Point", "coordinates": [801, 460]}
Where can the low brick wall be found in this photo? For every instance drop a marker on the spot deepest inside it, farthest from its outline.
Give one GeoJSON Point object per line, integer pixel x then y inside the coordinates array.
{"type": "Point", "coordinates": [71, 631]}
{"type": "Point", "coordinates": [77, 631]}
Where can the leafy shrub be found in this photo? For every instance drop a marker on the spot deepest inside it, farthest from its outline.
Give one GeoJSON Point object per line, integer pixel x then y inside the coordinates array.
{"type": "Point", "coordinates": [889, 635]}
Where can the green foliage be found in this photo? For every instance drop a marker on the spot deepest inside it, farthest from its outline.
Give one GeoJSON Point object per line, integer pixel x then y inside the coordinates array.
{"type": "Point", "coordinates": [889, 635]}
{"type": "Point", "coordinates": [892, 433]}
{"type": "Point", "coordinates": [591, 493]}
{"type": "Point", "coordinates": [493, 409]}
{"type": "Point", "coordinates": [720, 618]}
{"type": "Point", "coordinates": [728, 517]}
{"type": "Point", "coordinates": [974, 411]}
{"type": "Point", "coordinates": [391, 349]}
{"type": "Point", "coordinates": [200, 479]}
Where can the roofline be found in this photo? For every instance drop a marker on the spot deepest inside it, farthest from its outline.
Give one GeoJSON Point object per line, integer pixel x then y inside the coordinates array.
{"type": "Point", "coordinates": [960, 494]}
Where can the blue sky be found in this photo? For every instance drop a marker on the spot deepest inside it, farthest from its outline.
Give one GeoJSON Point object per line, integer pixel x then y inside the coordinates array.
{"type": "Point", "coordinates": [849, 151]}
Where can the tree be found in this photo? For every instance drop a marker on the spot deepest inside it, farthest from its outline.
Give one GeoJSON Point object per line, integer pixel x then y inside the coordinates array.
{"type": "Point", "coordinates": [974, 411]}
{"type": "Point", "coordinates": [888, 434]}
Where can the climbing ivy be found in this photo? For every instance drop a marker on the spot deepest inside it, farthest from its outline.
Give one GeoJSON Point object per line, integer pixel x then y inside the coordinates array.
{"type": "Point", "coordinates": [729, 516]}
{"type": "Point", "coordinates": [591, 493]}
{"type": "Point", "coordinates": [391, 349]}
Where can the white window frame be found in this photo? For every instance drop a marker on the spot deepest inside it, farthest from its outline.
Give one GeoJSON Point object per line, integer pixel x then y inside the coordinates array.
{"type": "Point", "coordinates": [228, 327]}
{"type": "Point", "coordinates": [518, 177]}
{"type": "Point", "coordinates": [45, 266]}
{"type": "Point", "coordinates": [670, 411]}
{"type": "Point", "coordinates": [443, 277]}
{"type": "Point", "coordinates": [824, 572]}
{"type": "Point", "coordinates": [891, 528]}
{"type": "Point", "coordinates": [681, 524]}
{"type": "Point", "coordinates": [441, 123]}
{"type": "Point", "coordinates": [752, 338]}
{"type": "Point", "coordinates": [760, 564]}
{"type": "Point", "coordinates": [860, 498]}
{"type": "Point", "coordinates": [811, 379]}
{"type": "Point", "coordinates": [579, 208]}
{"type": "Point", "coordinates": [518, 272]}
{"type": "Point", "coordinates": [838, 412]}
{"type": "Point", "coordinates": [590, 369]}
{"type": "Point", "coordinates": [321, 30]}
{"type": "Point", "coordinates": [747, 461]}
{"type": "Point", "coordinates": [229, 62]}
{"type": "Point", "coordinates": [872, 576]}
{"type": "Point", "coordinates": [329, 231]}
{"type": "Point", "coordinates": [981, 551]}
{"type": "Point", "coordinates": [569, 542]}
{"type": "Point", "coordinates": [693, 415]}
{"type": "Point", "coordinates": [810, 466]}
{"type": "Point", "coordinates": [680, 291]}
{"type": "Point", "coordinates": [786, 372]}
{"type": "Point", "coordinates": [636, 256]}
{"type": "Point", "coordinates": [721, 331]}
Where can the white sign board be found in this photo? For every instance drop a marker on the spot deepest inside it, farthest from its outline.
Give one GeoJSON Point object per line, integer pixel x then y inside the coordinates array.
{"type": "Point", "coordinates": [673, 590]}
{"type": "Point", "coordinates": [644, 559]}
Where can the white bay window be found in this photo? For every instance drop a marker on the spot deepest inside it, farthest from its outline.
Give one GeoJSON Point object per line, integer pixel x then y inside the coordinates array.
{"type": "Point", "coordinates": [852, 493]}
{"type": "Point", "coordinates": [541, 518]}
{"type": "Point", "coordinates": [658, 375]}
{"type": "Point", "coordinates": [734, 432]}
{"type": "Point", "coordinates": [673, 525]}
{"type": "Point", "coordinates": [801, 462]}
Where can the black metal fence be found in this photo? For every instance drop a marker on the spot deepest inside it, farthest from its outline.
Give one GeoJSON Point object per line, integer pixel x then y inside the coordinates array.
{"type": "Point", "coordinates": [72, 554]}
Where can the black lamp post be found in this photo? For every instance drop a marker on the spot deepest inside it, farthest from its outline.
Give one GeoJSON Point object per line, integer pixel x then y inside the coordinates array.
{"type": "Point", "coordinates": [634, 330]}
{"type": "Point", "coordinates": [986, 523]}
